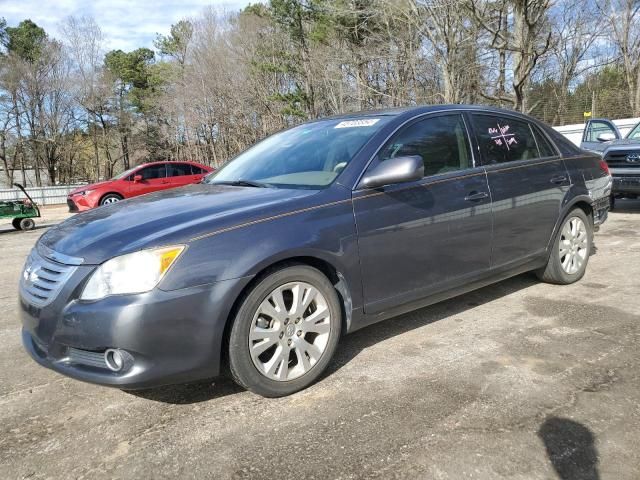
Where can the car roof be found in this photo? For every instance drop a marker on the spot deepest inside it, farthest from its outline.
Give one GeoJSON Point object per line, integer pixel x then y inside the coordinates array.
{"type": "Point", "coordinates": [159, 162]}
{"type": "Point", "coordinates": [420, 109]}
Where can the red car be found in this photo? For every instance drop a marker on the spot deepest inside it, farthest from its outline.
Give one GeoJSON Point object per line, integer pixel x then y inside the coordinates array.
{"type": "Point", "coordinates": [145, 178]}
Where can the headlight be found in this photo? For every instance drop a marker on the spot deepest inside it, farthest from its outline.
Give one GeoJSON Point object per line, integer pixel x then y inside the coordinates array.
{"type": "Point", "coordinates": [136, 272]}
{"type": "Point", "coordinates": [83, 193]}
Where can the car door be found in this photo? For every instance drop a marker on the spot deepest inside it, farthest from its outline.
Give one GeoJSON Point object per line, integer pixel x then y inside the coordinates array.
{"type": "Point", "coordinates": [154, 178]}
{"type": "Point", "coordinates": [528, 182]}
{"type": "Point", "coordinates": [595, 129]}
{"type": "Point", "coordinates": [179, 174]}
{"type": "Point", "coordinates": [422, 237]}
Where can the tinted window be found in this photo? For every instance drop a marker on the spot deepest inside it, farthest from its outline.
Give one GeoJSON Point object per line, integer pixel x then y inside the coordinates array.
{"type": "Point", "coordinates": [155, 171]}
{"type": "Point", "coordinates": [546, 149]}
{"type": "Point", "coordinates": [596, 129]}
{"type": "Point", "coordinates": [197, 170]}
{"type": "Point", "coordinates": [504, 139]}
{"type": "Point", "coordinates": [440, 141]}
{"type": "Point", "coordinates": [178, 169]}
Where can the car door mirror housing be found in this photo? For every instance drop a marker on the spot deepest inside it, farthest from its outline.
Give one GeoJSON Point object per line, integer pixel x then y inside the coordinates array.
{"type": "Point", "coordinates": [137, 178]}
{"type": "Point", "coordinates": [606, 137]}
{"type": "Point", "coordinates": [395, 170]}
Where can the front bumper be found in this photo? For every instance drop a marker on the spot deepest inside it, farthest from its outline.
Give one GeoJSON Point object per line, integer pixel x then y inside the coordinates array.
{"type": "Point", "coordinates": [79, 203]}
{"type": "Point", "coordinates": [626, 184]}
{"type": "Point", "coordinates": [172, 336]}
{"type": "Point", "coordinates": [73, 208]}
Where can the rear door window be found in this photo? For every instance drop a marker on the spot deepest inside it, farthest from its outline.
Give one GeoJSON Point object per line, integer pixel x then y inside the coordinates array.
{"type": "Point", "coordinates": [440, 141]}
{"type": "Point", "coordinates": [504, 139]}
{"type": "Point", "coordinates": [178, 169]}
{"type": "Point", "coordinates": [545, 148]}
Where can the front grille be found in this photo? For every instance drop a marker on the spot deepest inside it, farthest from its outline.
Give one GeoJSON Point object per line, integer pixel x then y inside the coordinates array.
{"type": "Point", "coordinates": [619, 158]}
{"type": "Point", "coordinates": [42, 279]}
{"type": "Point", "coordinates": [86, 357]}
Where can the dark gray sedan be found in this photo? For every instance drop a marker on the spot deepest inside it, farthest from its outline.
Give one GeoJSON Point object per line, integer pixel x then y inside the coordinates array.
{"type": "Point", "coordinates": [316, 231]}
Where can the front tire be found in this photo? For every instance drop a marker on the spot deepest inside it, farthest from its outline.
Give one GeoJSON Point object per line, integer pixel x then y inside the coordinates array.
{"type": "Point", "coordinates": [16, 223]}
{"type": "Point", "coordinates": [570, 252]}
{"type": "Point", "coordinates": [285, 332]}
{"type": "Point", "coordinates": [110, 198]}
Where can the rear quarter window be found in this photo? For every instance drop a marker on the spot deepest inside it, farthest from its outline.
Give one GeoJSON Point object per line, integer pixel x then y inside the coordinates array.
{"type": "Point", "coordinates": [545, 148]}
{"type": "Point", "coordinates": [504, 139]}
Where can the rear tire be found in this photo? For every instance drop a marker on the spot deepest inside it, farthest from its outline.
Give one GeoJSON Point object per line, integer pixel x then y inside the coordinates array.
{"type": "Point", "coordinates": [285, 332]}
{"type": "Point", "coordinates": [27, 224]}
{"type": "Point", "coordinates": [570, 251]}
{"type": "Point", "coordinates": [110, 198]}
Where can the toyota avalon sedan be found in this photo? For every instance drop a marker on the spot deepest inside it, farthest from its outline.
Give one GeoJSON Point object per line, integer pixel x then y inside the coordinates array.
{"type": "Point", "coordinates": [313, 233]}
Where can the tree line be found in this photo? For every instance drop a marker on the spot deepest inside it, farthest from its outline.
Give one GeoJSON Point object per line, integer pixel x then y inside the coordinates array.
{"type": "Point", "coordinates": [219, 81]}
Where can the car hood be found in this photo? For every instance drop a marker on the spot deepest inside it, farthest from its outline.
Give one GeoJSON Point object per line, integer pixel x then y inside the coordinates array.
{"type": "Point", "coordinates": [90, 186]}
{"type": "Point", "coordinates": [165, 218]}
{"type": "Point", "coordinates": [621, 143]}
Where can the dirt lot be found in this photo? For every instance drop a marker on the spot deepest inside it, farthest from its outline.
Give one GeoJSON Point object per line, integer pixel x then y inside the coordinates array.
{"type": "Point", "coordinates": [517, 380]}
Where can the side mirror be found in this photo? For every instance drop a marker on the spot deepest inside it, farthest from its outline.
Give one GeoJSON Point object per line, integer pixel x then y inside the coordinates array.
{"type": "Point", "coordinates": [395, 170]}
{"type": "Point", "coordinates": [606, 137]}
{"type": "Point", "coordinates": [137, 178]}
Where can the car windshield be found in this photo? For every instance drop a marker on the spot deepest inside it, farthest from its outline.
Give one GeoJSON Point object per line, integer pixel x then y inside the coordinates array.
{"type": "Point", "coordinates": [634, 134]}
{"type": "Point", "coordinates": [307, 156]}
{"type": "Point", "coordinates": [124, 174]}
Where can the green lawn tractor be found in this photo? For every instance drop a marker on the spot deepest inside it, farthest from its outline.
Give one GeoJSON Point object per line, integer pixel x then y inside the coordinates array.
{"type": "Point", "coordinates": [21, 211]}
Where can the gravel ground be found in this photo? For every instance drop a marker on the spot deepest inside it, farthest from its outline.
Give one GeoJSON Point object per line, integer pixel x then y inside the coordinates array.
{"type": "Point", "coordinates": [517, 380]}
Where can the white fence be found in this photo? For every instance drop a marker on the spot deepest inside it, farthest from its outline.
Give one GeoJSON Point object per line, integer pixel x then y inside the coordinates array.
{"type": "Point", "coordinates": [40, 195]}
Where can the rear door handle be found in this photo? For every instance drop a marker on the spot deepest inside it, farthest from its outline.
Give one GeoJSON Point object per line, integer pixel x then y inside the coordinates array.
{"type": "Point", "coordinates": [476, 196]}
{"type": "Point", "coordinates": [560, 180]}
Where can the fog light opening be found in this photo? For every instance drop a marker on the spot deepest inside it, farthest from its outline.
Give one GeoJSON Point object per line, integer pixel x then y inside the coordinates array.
{"type": "Point", "coordinates": [114, 359]}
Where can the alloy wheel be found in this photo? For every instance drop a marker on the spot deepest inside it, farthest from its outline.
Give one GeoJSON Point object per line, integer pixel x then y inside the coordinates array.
{"type": "Point", "coordinates": [573, 248]}
{"type": "Point", "coordinates": [289, 331]}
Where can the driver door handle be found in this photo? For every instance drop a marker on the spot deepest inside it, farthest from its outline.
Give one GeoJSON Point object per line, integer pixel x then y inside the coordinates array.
{"type": "Point", "coordinates": [476, 196]}
{"type": "Point", "coordinates": [559, 180]}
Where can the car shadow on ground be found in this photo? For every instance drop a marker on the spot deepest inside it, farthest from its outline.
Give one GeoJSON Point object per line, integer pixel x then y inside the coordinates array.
{"type": "Point", "coordinates": [626, 205]}
{"type": "Point", "coordinates": [189, 393]}
{"type": "Point", "coordinates": [571, 449]}
{"type": "Point", "coordinates": [10, 229]}
{"type": "Point", "coordinates": [351, 345]}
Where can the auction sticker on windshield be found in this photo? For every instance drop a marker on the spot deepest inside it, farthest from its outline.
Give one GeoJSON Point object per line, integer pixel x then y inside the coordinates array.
{"type": "Point", "coordinates": [357, 123]}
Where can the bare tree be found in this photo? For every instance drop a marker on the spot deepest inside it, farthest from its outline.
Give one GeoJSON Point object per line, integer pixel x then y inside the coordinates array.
{"type": "Point", "coordinates": [624, 20]}
{"type": "Point", "coordinates": [84, 43]}
{"type": "Point", "coordinates": [526, 38]}
{"type": "Point", "coordinates": [576, 26]}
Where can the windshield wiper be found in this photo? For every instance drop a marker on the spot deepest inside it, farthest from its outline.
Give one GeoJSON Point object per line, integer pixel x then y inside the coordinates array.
{"type": "Point", "coordinates": [243, 183]}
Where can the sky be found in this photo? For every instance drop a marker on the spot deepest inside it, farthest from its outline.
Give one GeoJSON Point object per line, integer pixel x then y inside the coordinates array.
{"type": "Point", "coordinates": [126, 24]}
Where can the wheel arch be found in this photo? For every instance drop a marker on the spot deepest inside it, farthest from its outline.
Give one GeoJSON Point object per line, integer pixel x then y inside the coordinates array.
{"type": "Point", "coordinates": [582, 202]}
{"type": "Point", "coordinates": [327, 268]}
{"type": "Point", "coordinates": [110, 193]}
